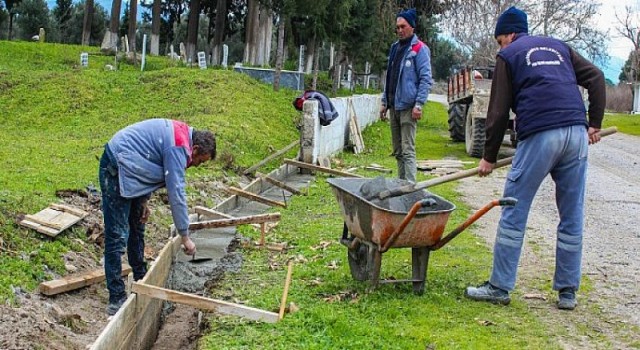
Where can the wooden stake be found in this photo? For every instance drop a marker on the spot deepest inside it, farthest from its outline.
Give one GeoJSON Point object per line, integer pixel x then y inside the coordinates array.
{"type": "Point", "coordinates": [212, 212]}
{"type": "Point", "coordinates": [285, 292]}
{"type": "Point", "coordinates": [255, 197]}
{"type": "Point", "coordinates": [204, 303]}
{"type": "Point", "coordinates": [242, 220]}
{"type": "Point", "coordinates": [319, 168]}
{"type": "Point", "coordinates": [269, 158]}
{"type": "Point", "coordinates": [262, 233]}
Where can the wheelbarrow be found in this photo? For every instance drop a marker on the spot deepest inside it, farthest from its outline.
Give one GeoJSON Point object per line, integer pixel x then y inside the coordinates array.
{"type": "Point", "coordinates": [415, 220]}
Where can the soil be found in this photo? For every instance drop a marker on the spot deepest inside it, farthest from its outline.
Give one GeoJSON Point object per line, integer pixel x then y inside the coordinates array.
{"type": "Point", "coordinates": [608, 315]}
{"type": "Point", "coordinates": [608, 312]}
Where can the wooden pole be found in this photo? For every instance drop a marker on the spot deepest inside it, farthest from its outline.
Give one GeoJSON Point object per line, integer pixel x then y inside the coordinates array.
{"type": "Point", "coordinates": [255, 197]}
{"type": "Point", "coordinates": [242, 220]}
{"type": "Point", "coordinates": [285, 292]}
{"type": "Point", "coordinates": [204, 303]}
{"type": "Point", "coordinates": [319, 168]}
{"type": "Point", "coordinates": [271, 157]}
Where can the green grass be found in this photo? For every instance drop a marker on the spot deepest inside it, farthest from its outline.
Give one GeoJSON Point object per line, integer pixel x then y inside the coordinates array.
{"type": "Point", "coordinates": [626, 123]}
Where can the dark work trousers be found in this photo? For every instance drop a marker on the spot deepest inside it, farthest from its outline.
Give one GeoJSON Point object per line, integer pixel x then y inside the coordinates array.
{"type": "Point", "coordinates": [122, 228]}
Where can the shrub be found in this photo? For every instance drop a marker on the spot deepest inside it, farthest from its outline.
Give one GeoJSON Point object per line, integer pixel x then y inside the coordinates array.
{"type": "Point", "coordinates": [619, 98]}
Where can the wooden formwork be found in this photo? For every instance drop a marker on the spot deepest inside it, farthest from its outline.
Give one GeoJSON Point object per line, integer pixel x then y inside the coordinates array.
{"type": "Point", "coordinates": [136, 324]}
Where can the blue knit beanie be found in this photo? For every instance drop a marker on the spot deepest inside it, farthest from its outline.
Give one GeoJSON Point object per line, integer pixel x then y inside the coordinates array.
{"type": "Point", "coordinates": [510, 21]}
{"type": "Point", "coordinates": [410, 16]}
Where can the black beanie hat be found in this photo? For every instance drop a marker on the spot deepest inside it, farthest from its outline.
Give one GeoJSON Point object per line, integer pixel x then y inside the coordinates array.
{"type": "Point", "coordinates": [410, 16]}
{"type": "Point", "coordinates": [510, 21]}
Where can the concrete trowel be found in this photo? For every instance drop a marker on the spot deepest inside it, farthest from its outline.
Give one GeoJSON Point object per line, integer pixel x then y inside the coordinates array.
{"type": "Point", "coordinates": [198, 260]}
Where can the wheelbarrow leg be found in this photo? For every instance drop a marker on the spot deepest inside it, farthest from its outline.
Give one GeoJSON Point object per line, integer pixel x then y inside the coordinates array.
{"type": "Point", "coordinates": [420, 261]}
{"type": "Point", "coordinates": [374, 262]}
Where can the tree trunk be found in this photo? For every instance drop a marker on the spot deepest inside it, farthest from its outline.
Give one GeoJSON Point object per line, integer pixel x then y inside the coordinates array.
{"type": "Point", "coordinates": [155, 28]}
{"type": "Point", "coordinates": [218, 34]}
{"type": "Point", "coordinates": [279, 54]}
{"type": "Point", "coordinates": [110, 41]}
{"type": "Point", "coordinates": [316, 68]}
{"type": "Point", "coordinates": [265, 30]}
{"type": "Point", "coordinates": [86, 23]}
{"type": "Point", "coordinates": [133, 20]}
{"type": "Point", "coordinates": [192, 30]}
{"type": "Point", "coordinates": [251, 28]}
{"type": "Point", "coordinates": [10, 35]}
{"type": "Point", "coordinates": [309, 56]}
{"type": "Point", "coordinates": [337, 73]}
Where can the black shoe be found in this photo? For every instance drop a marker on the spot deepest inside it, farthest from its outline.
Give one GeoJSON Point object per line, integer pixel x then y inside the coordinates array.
{"type": "Point", "coordinates": [113, 308]}
{"type": "Point", "coordinates": [567, 299]}
{"type": "Point", "coordinates": [488, 292]}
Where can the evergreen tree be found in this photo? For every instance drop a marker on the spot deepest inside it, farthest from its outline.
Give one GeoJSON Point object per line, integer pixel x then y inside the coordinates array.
{"type": "Point", "coordinates": [62, 14]}
{"type": "Point", "coordinates": [33, 15]}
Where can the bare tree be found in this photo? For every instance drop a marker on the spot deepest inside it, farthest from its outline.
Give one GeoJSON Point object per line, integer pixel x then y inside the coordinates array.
{"type": "Point", "coordinates": [472, 23]}
{"type": "Point", "coordinates": [629, 27]}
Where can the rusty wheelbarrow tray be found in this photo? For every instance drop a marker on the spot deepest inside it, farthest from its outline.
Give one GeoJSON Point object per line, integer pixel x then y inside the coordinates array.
{"type": "Point", "coordinates": [416, 220]}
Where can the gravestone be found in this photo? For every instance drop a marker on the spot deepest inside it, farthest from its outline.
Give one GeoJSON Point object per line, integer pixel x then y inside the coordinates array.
{"type": "Point", "coordinates": [225, 55]}
{"type": "Point", "coordinates": [301, 59]}
{"type": "Point", "coordinates": [84, 59]}
{"type": "Point", "coordinates": [202, 60]}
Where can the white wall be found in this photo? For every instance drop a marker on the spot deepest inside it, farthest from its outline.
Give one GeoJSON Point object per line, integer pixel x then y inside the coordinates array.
{"type": "Point", "coordinates": [323, 141]}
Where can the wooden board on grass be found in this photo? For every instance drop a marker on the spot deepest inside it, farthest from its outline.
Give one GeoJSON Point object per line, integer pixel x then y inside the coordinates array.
{"type": "Point", "coordinates": [53, 219]}
{"type": "Point", "coordinates": [68, 283]}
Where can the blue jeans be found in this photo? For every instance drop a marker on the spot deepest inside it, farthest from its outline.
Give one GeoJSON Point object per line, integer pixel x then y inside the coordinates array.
{"type": "Point", "coordinates": [122, 228]}
{"type": "Point", "coordinates": [403, 138]}
{"type": "Point", "coordinates": [563, 154]}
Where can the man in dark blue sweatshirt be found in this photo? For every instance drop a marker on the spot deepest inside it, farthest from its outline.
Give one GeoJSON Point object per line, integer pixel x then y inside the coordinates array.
{"type": "Point", "coordinates": [138, 160]}
{"type": "Point", "coordinates": [538, 77]}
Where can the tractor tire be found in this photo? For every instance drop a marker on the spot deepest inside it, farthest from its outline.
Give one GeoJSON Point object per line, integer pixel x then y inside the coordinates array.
{"type": "Point", "coordinates": [476, 136]}
{"type": "Point", "coordinates": [457, 115]}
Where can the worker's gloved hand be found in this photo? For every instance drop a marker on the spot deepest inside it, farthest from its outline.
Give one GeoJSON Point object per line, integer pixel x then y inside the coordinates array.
{"type": "Point", "coordinates": [188, 246]}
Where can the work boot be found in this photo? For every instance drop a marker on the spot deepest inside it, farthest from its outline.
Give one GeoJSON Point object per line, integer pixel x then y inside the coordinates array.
{"type": "Point", "coordinates": [488, 292]}
{"type": "Point", "coordinates": [567, 299]}
{"type": "Point", "coordinates": [113, 308]}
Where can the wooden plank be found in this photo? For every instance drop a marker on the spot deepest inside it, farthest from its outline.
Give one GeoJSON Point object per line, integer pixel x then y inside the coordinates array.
{"type": "Point", "coordinates": [44, 222]}
{"type": "Point", "coordinates": [211, 212]}
{"type": "Point", "coordinates": [68, 283]}
{"type": "Point", "coordinates": [254, 197]}
{"type": "Point", "coordinates": [40, 228]}
{"type": "Point", "coordinates": [319, 168]}
{"type": "Point", "coordinates": [271, 157]}
{"type": "Point", "coordinates": [379, 169]}
{"type": "Point", "coordinates": [278, 183]}
{"type": "Point", "coordinates": [204, 303]}
{"type": "Point", "coordinates": [72, 210]}
{"type": "Point", "coordinates": [241, 220]}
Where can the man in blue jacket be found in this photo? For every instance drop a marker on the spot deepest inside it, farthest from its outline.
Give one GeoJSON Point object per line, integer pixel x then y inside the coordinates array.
{"type": "Point", "coordinates": [406, 89]}
{"type": "Point", "coordinates": [538, 78]}
{"type": "Point", "coordinates": [138, 160]}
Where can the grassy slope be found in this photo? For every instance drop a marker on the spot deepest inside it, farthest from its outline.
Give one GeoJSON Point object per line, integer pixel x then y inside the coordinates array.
{"type": "Point", "coordinates": [56, 118]}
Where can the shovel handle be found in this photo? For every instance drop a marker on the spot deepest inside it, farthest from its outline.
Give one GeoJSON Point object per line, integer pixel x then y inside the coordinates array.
{"type": "Point", "coordinates": [460, 175]}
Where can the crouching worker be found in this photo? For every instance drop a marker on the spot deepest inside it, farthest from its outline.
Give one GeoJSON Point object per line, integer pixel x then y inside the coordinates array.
{"type": "Point", "coordinates": [138, 160]}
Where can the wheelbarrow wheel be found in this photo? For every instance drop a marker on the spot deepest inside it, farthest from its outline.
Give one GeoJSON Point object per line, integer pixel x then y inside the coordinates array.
{"type": "Point", "coordinates": [364, 262]}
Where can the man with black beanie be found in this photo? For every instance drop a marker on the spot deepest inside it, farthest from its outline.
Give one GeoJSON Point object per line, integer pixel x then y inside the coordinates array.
{"type": "Point", "coordinates": [406, 89]}
{"type": "Point", "coordinates": [538, 77]}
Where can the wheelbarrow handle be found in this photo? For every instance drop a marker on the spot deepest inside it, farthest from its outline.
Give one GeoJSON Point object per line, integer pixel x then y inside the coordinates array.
{"type": "Point", "coordinates": [459, 175]}
{"type": "Point", "coordinates": [506, 201]}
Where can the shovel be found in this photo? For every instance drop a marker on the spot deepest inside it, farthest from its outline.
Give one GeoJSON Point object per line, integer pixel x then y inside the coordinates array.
{"type": "Point", "coordinates": [198, 260]}
{"type": "Point", "coordinates": [456, 176]}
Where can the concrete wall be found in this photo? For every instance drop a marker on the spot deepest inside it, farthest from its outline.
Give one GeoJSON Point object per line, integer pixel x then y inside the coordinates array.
{"type": "Point", "coordinates": [323, 141]}
{"type": "Point", "coordinates": [289, 79]}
